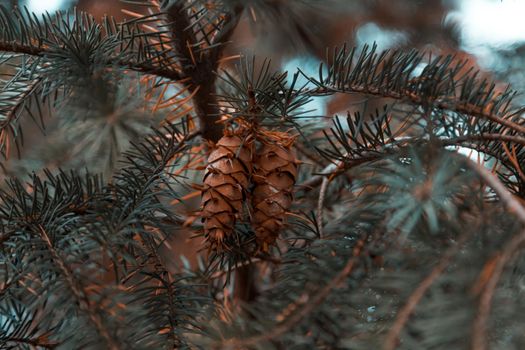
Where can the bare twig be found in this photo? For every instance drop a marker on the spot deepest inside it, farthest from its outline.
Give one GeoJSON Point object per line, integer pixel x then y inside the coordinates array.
{"type": "Point", "coordinates": [479, 341]}
{"type": "Point", "coordinates": [490, 179]}
{"type": "Point", "coordinates": [320, 205]}
{"type": "Point", "coordinates": [334, 170]}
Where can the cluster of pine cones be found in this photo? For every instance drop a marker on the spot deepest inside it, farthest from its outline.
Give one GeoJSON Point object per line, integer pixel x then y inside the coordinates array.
{"type": "Point", "coordinates": [249, 174]}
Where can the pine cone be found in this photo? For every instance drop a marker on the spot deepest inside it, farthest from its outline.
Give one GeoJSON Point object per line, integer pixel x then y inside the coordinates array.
{"type": "Point", "coordinates": [226, 181]}
{"type": "Point", "coordinates": [274, 177]}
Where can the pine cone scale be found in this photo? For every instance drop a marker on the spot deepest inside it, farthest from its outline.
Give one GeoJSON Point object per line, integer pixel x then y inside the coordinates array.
{"type": "Point", "coordinates": [275, 173]}
{"type": "Point", "coordinates": [226, 182]}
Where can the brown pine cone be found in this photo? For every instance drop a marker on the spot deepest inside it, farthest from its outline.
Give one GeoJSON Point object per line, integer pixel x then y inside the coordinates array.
{"type": "Point", "coordinates": [274, 177]}
{"type": "Point", "coordinates": [226, 180]}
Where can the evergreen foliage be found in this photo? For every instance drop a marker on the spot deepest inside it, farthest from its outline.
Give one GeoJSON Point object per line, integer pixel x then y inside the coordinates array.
{"type": "Point", "coordinates": [396, 236]}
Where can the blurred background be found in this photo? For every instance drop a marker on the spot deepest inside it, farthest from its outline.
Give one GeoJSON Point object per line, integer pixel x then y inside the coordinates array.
{"type": "Point", "coordinates": [92, 131]}
{"type": "Point", "coordinates": [292, 33]}
{"type": "Point", "coordinates": [489, 32]}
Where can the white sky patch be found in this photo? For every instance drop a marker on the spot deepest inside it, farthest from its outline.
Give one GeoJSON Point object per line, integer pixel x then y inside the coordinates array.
{"type": "Point", "coordinates": [370, 33]}
{"type": "Point", "coordinates": [490, 22]}
{"type": "Point", "coordinates": [41, 6]}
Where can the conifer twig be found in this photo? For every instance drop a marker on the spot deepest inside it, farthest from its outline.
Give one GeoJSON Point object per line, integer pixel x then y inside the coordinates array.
{"type": "Point", "coordinates": [12, 115]}
{"type": "Point", "coordinates": [135, 66]}
{"type": "Point", "coordinates": [320, 206]}
{"type": "Point", "coordinates": [479, 340]}
{"type": "Point", "coordinates": [484, 137]}
{"type": "Point", "coordinates": [40, 342]}
{"type": "Point", "coordinates": [201, 70]}
{"type": "Point", "coordinates": [402, 317]}
{"type": "Point", "coordinates": [81, 297]}
{"type": "Point", "coordinates": [299, 316]}
{"type": "Point", "coordinates": [443, 104]}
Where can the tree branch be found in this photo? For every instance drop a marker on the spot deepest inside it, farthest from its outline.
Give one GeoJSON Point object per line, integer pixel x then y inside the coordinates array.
{"type": "Point", "coordinates": [335, 170]}
{"type": "Point", "coordinates": [443, 103]}
{"type": "Point", "coordinates": [201, 69]}
{"type": "Point", "coordinates": [479, 341]}
{"type": "Point", "coordinates": [320, 206]}
{"type": "Point", "coordinates": [12, 115]}
{"type": "Point", "coordinates": [40, 342]}
{"type": "Point", "coordinates": [484, 137]}
{"type": "Point", "coordinates": [81, 297]}
{"type": "Point", "coordinates": [135, 66]}
{"type": "Point", "coordinates": [299, 316]}
{"type": "Point", "coordinates": [402, 317]}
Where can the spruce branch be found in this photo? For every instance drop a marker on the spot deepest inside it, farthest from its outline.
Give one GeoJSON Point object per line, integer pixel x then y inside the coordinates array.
{"type": "Point", "coordinates": [441, 85]}
{"type": "Point", "coordinates": [503, 257]}
{"type": "Point", "coordinates": [460, 140]}
{"type": "Point", "coordinates": [366, 139]}
{"type": "Point", "coordinates": [313, 302]}
{"type": "Point", "coordinates": [10, 111]}
{"type": "Point", "coordinates": [78, 36]}
{"type": "Point", "coordinates": [36, 342]}
{"type": "Point", "coordinates": [20, 328]}
{"type": "Point", "coordinates": [123, 63]}
{"type": "Point", "coordinates": [122, 223]}
{"type": "Point", "coordinates": [80, 294]}
{"type": "Point", "coordinates": [200, 65]}
{"type": "Point", "coordinates": [403, 315]}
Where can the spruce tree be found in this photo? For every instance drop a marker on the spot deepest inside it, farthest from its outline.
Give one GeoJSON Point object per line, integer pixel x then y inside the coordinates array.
{"type": "Point", "coordinates": [396, 225]}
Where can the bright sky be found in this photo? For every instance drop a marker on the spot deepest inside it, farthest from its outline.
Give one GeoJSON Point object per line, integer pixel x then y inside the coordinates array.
{"type": "Point", "coordinates": [491, 22]}
{"type": "Point", "coordinates": [41, 6]}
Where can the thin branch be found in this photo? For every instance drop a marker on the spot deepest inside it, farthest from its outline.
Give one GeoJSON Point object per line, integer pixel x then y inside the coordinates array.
{"type": "Point", "coordinates": [479, 341]}
{"type": "Point", "coordinates": [296, 318]}
{"type": "Point", "coordinates": [484, 137]}
{"type": "Point", "coordinates": [490, 179]}
{"type": "Point", "coordinates": [40, 342]}
{"type": "Point", "coordinates": [136, 66]}
{"type": "Point", "coordinates": [12, 115]}
{"type": "Point", "coordinates": [443, 104]}
{"type": "Point", "coordinates": [391, 340]}
{"type": "Point", "coordinates": [336, 169]}
{"type": "Point", "coordinates": [333, 170]}
{"type": "Point", "coordinates": [320, 205]}
{"type": "Point", "coordinates": [81, 297]}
